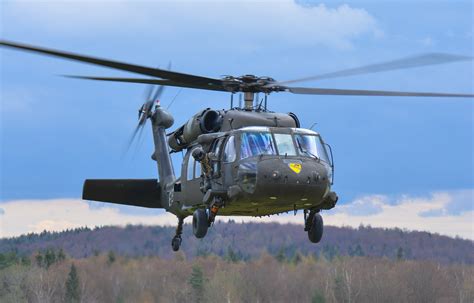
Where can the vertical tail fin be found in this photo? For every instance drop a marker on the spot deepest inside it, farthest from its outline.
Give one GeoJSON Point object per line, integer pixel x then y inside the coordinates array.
{"type": "Point", "coordinates": [160, 121]}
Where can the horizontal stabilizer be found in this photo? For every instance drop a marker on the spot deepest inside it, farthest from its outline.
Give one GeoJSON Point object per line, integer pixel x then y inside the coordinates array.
{"type": "Point", "coordinates": [134, 192]}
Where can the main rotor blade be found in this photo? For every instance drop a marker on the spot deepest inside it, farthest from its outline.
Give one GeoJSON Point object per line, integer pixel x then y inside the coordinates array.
{"type": "Point", "coordinates": [410, 62]}
{"type": "Point", "coordinates": [152, 81]}
{"type": "Point", "coordinates": [155, 72]}
{"type": "Point", "coordinates": [354, 92]}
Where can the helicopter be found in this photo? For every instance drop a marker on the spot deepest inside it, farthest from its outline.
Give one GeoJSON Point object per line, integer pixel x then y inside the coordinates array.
{"type": "Point", "coordinates": [241, 161]}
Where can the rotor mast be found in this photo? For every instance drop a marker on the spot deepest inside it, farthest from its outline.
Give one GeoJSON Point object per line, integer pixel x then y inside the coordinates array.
{"type": "Point", "coordinates": [248, 98]}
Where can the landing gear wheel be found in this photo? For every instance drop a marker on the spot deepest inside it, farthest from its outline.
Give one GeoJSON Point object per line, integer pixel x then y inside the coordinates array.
{"type": "Point", "coordinates": [315, 232]}
{"type": "Point", "coordinates": [176, 243]}
{"type": "Point", "coordinates": [200, 223]}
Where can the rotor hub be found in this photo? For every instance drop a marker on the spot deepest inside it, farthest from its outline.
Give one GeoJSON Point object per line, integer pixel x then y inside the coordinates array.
{"type": "Point", "coordinates": [251, 84]}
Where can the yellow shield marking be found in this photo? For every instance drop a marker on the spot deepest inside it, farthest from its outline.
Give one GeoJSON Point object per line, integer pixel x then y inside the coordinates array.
{"type": "Point", "coordinates": [296, 167]}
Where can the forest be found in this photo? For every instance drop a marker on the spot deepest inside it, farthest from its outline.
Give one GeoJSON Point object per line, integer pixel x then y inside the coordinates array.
{"type": "Point", "coordinates": [237, 263]}
{"type": "Point", "coordinates": [247, 241]}
{"type": "Point", "coordinates": [112, 278]}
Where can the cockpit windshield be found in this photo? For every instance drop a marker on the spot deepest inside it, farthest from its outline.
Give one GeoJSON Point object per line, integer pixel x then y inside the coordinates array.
{"type": "Point", "coordinates": [312, 146]}
{"type": "Point", "coordinates": [256, 143]}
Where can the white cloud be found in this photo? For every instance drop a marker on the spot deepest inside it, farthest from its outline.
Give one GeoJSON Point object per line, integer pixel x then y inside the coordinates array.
{"type": "Point", "coordinates": [410, 213]}
{"type": "Point", "coordinates": [364, 206]}
{"type": "Point", "coordinates": [427, 42]}
{"type": "Point", "coordinates": [244, 24]}
{"type": "Point", "coordinates": [23, 216]}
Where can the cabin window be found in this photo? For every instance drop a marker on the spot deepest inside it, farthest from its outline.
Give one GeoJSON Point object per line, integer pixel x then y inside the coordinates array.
{"type": "Point", "coordinates": [285, 145]}
{"type": "Point", "coordinates": [256, 143]}
{"type": "Point", "coordinates": [229, 151]}
{"type": "Point", "coordinates": [197, 169]}
{"type": "Point", "coordinates": [191, 161]}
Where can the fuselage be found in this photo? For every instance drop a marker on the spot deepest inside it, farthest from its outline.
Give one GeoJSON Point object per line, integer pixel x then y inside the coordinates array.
{"type": "Point", "coordinates": [260, 171]}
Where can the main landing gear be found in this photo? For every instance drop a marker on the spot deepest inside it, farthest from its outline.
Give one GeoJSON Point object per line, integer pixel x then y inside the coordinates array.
{"type": "Point", "coordinates": [313, 224]}
{"type": "Point", "coordinates": [200, 223]}
{"type": "Point", "coordinates": [202, 220]}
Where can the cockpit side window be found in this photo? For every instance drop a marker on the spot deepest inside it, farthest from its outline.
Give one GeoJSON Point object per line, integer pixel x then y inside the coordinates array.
{"type": "Point", "coordinates": [284, 143]}
{"type": "Point", "coordinates": [216, 146]}
{"type": "Point", "coordinates": [229, 152]}
{"type": "Point", "coordinates": [216, 150]}
{"type": "Point", "coordinates": [312, 146]}
{"type": "Point", "coordinates": [256, 143]}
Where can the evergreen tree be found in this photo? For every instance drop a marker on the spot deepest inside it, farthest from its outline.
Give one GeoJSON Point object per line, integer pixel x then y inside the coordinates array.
{"type": "Point", "coordinates": [358, 251]}
{"type": "Point", "coordinates": [231, 256]}
{"type": "Point", "coordinates": [72, 286]}
{"type": "Point", "coordinates": [61, 255]}
{"type": "Point", "coordinates": [49, 258]}
{"type": "Point", "coordinates": [281, 256]}
{"type": "Point", "coordinates": [318, 297]}
{"type": "Point", "coordinates": [111, 257]}
{"type": "Point", "coordinates": [400, 254]}
{"type": "Point", "coordinates": [197, 283]}
{"type": "Point", "coordinates": [39, 259]}
{"type": "Point", "coordinates": [8, 259]}
{"type": "Point", "coordinates": [25, 260]}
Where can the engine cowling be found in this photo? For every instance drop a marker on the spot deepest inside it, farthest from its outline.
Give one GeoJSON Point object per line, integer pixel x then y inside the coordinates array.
{"type": "Point", "coordinates": [204, 122]}
{"type": "Point", "coordinates": [211, 121]}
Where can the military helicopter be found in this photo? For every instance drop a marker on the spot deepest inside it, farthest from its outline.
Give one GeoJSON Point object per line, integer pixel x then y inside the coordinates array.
{"type": "Point", "coordinates": [244, 161]}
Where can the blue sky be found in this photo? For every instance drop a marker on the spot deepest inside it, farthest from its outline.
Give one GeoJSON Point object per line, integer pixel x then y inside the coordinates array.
{"type": "Point", "coordinates": [56, 132]}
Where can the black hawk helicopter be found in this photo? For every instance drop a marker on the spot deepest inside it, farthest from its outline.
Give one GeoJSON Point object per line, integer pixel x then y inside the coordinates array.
{"type": "Point", "coordinates": [244, 161]}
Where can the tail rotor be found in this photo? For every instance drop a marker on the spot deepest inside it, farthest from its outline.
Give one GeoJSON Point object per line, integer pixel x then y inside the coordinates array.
{"type": "Point", "coordinates": [152, 96]}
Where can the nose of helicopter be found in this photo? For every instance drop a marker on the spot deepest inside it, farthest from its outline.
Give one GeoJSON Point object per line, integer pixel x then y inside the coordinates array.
{"type": "Point", "coordinates": [290, 181]}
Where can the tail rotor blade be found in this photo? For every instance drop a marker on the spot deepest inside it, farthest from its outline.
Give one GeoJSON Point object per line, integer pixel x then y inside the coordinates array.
{"type": "Point", "coordinates": [148, 92]}
{"type": "Point", "coordinates": [131, 139]}
{"type": "Point", "coordinates": [160, 89]}
{"type": "Point", "coordinates": [158, 93]}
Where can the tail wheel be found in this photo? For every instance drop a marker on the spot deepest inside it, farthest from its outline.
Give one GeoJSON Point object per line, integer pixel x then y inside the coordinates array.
{"type": "Point", "coordinates": [176, 243]}
{"type": "Point", "coordinates": [200, 223]}
{"type": "Point", "coordinates": [315, 232]}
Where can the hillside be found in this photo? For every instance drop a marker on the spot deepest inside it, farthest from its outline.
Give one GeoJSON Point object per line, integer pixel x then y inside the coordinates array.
{"type": "Point", "coordinates": [248, 241]}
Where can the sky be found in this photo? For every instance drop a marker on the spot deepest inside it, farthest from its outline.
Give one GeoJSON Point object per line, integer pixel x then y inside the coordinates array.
{"type": "Point", "coordinates": [399, 162]}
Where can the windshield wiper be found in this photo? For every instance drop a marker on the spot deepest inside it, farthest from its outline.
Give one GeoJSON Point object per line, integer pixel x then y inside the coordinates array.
{"type": "Point", "coordinates": [304, 150]}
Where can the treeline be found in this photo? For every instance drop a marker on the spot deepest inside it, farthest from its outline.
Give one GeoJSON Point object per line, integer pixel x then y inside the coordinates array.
{"type": "Point", "coordinates": [246, 242]}
{"type": "Point", "coordinates": [111, 278]}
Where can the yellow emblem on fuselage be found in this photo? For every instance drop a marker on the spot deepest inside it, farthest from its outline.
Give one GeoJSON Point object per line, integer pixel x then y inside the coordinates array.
{"type": "Point", "coordinates": [296, 167]}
